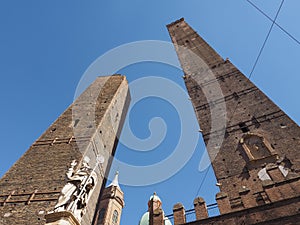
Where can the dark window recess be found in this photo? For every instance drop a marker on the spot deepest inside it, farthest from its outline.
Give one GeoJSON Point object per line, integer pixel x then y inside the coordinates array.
{"type": "Point", "coordinates": [260, 199]}
{"type": "Point", "coordinates": [76, 122]}
{"type": "Point", "coordinates": [255, 122]}
{"type": "Point", "coordinates": [244, 127]}
{"type": "Point", "coordinates": [287, 163]}
{"type": "Point", "coordinates": [236, 96]}
{"type": "Point", "coordinates": [226, 135]}
{"type": "Point", "coordinates": [101, 216]}
{"type": "Point", "coordinates": [115, 217]}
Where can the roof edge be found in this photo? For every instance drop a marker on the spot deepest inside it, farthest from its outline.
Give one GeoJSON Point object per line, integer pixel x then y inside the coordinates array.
{"type": "Point", "coordinates": [177, 21]}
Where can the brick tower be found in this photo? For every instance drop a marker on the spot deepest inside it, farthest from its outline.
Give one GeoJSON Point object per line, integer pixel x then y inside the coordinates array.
{"type": "Point", "coordinates": [59, 178]}
{"type": "Point", "coordinates": [253, 145]}
{"type": "Point", "coordinates": [155, 214]}
{"type": "Point", "coordinates": [111, 204]}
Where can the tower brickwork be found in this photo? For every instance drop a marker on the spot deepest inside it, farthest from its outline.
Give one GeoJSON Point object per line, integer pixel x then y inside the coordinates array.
{"type": "Point", "coordinates": [111, 204]}
{"type": "Point", "coordinates": [155, 214]}
{"type": "Point", "coordinates": [253, 145]}
{"type": "Point", "coordinates": [59, 178]}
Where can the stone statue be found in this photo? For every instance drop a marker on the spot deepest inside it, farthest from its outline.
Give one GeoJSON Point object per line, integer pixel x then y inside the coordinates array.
{"type": "Point", "coordinates": [76, 192]}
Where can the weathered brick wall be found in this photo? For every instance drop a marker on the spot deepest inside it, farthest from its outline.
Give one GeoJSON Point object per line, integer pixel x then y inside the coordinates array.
{"type": "Point", "coordinates": [215, 84]}
{"type": "Point", "coordinates": [112, 199]}
{"type": "Point", "coordinates": [42, 169]}
{"type": "Point", "coordinates": [282, 212]}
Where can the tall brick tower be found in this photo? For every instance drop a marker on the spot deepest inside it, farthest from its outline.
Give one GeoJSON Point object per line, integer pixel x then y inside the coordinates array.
{"type": "Point", "coordinates": [59, 178]}
{"type": "Point", "coordinates": [253, 145]}
{"type": "Point", "coordinates": [111, 204]}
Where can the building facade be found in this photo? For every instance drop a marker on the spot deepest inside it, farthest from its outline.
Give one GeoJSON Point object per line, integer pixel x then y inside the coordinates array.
{"type": "Point", "coordinates": [155, 213]}
{"type": "Point", "coordinates": [60, 177]}
{"type": "Point", "coordinates": [111, 204]}
{"type": "Point", "coordinates": [252, 144]}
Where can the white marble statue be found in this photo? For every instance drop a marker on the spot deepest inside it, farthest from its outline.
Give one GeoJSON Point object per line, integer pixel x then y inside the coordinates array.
{"type": "Point", "coordinates": [76, 192]}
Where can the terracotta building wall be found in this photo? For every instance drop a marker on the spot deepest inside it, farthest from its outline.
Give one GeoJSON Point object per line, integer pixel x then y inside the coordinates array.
{"type": "Point", "coordinates": [88, 127]}
{"type": "Point", "coordinates": [253, 145]}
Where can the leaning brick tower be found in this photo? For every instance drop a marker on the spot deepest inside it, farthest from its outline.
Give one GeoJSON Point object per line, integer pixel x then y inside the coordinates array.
{"type": "Point", "coordinates": [60, 177]}
{"type": "Point", "coordinates": [252, 144]}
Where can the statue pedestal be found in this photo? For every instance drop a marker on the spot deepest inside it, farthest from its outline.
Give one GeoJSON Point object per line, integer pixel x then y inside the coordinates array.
{"type": "Point", "coordinates": [61, 218]}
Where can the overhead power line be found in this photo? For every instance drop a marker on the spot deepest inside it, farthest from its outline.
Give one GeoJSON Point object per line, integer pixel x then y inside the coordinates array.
{"type": "Point", "coordinates": [256, 61]}
{"type": "Point", "coordinates": [202, 181]}
{"type": "Point", "coordinates": [266, 39]}
{"type": "Point", "coordinates": [280, 27]}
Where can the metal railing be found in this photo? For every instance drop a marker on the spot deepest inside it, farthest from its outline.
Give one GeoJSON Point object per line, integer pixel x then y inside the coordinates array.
{"type": "Point", "coordinates": [191, 215]}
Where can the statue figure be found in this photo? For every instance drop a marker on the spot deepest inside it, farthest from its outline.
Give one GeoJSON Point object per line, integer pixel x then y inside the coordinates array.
{"type": "Point", "coordinates": [76, 192]}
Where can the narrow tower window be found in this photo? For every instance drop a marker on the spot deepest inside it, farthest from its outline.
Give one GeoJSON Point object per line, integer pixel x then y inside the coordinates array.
{"type": "Point", "coordinates": [101, 215]}
{"type": "Point", "coordinates": [74, 123]}
{"type": "Point", "coordinates": [244, 127]}
{"type": "Point", "coordinates": [115, 218]}
{"type": "Point", "coordinates": [255, 122]}
{"type": "Point", "coordinates": [235, 96]}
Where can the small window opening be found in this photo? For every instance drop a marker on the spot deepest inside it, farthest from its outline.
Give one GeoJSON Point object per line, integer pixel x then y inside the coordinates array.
{"type": "Point", "coordinates": [255, 122]}
{"type": "Point", "coordinates": [244, 127]}
{"type": "Point", "coordinates": [259, 199]}
{"type": "Point", "coordinates": [101, 216]}
{"type": "Point", "coordinates": [226, 135]}
{"type": "Point", "coordinates": [115, 217]}
{"type": "Point", "coordinates": [74, 123]}
{"type": "Point", "coordinates": [236, 96]}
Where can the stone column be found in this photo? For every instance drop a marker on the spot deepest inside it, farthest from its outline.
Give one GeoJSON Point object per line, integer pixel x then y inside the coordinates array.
{"type": "Point", "coordinates": [179, 214]}
{"type": "Point", "coordinates": [223, 202]}
{"type": "Point", "coordinates": [200, 208]}
{"type": "Point", "coordinates": [156, 215]}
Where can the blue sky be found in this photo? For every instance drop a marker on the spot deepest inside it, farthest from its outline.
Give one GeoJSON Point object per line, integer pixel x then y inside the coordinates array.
{"type": "Point", "coordinates": [46, 46]}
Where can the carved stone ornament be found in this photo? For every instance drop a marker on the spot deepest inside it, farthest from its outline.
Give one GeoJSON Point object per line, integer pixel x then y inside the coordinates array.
{"type": "Point", "coordinates": [75, 194]}
{"type": "Point", "coordinates": [257, 149]}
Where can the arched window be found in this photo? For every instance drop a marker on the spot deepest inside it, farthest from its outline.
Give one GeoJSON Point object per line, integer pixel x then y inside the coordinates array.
{"type": "Point", "coordinates": [115, 218]}
{"type": "Point", "coordinates": [101, 216]}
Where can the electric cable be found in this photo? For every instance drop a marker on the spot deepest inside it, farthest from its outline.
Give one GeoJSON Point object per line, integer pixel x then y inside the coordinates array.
{"type": "Point", "coordinates": [280, 27]}
{"type": "Point", "coordinates": [265, 41]}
